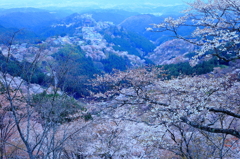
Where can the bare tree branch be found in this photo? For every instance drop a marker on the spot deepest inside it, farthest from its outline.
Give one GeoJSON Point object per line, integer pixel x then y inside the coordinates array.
{"type": "Point", "coordinates": [210, 129]}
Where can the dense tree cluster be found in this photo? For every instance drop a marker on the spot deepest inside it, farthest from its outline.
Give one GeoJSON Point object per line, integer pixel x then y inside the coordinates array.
{"type": "Point", "coordinates": [115, 62]}
{"type": "Point", "coordinates": [184, 68]}
{"type": "Point", "coordinates": [15, 68]}
{"type": "Point", "coordinates": [128, 41]}
{"type": "Point", "coordinates": [206, 104]}
{"type": "Point", "coordinates": [72, 70]}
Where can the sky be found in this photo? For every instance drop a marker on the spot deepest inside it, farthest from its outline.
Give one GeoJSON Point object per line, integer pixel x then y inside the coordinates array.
{"type": "Point", "coordinates": [71, 3]}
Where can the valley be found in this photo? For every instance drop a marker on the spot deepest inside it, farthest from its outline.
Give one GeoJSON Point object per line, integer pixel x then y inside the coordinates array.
{"type": "Point", "coordinates": [123, 80]}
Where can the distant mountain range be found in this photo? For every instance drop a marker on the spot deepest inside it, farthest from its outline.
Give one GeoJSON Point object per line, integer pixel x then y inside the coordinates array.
{"type": "Point", "coordinates": [122, 30]}
{"type": "Point", "coordinates": [74, 3]}
{"type": "Point", "coordinates": [103, 39]}
{"type": "Point", "coordinates": [113, 15]}
{"type": "Point", "coordinates": [38, 21]}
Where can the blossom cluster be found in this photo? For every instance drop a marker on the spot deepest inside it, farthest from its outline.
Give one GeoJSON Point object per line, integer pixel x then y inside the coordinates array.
{"type": "Point", "coordinates": [216, 27]}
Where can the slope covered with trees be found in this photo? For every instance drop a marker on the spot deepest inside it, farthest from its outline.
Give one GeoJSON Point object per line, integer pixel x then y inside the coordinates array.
{"type": "Point", "coordinates": [128, 41]}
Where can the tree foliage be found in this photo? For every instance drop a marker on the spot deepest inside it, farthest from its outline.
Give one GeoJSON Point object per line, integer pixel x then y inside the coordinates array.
{"type": "Point", "coordinates": [16, 68]}
{"type": "Point", "coordinates": [115, 62]}
{"type": "Point", "coordinates": [73, 70]}
{"type": "Point", "coordinates": [175, 70]}
{"type": "Point", "coordinates": [128, 41]}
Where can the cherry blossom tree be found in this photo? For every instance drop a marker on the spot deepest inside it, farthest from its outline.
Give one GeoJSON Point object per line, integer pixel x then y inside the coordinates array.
{"type": "Point", "coordinates": [185, 107]}
{"type": "Point", "coordinates": [32, 123]}
{"type": "Point", "coordinates": [214, 24]}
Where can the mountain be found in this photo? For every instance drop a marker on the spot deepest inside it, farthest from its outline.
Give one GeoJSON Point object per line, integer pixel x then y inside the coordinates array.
{"type": "Point", "coordinates": [152, 8]}
{"type": "Point", "coordinates": [25, 19]}
{"type": "Point", "coordinates": [25, 10]}
{"type": "Point", "coordinates": [97, 32]}
{"type": "Point", "coordinates": [113, 15]}
{"type": "Point", "coordinates": [109, 46]}
{"type": "Point", "coordinates": [139, 23]}
{"type": "Point", "coordinates": [23, 35]}
{"type": "Point", "coordinates": [32, 22]}
{"type": "Point", "coordinates": [171, 52]}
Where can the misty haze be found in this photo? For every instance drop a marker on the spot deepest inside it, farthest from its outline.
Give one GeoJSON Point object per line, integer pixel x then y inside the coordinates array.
{"type": "Point", "coordinates": [76, 3]}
